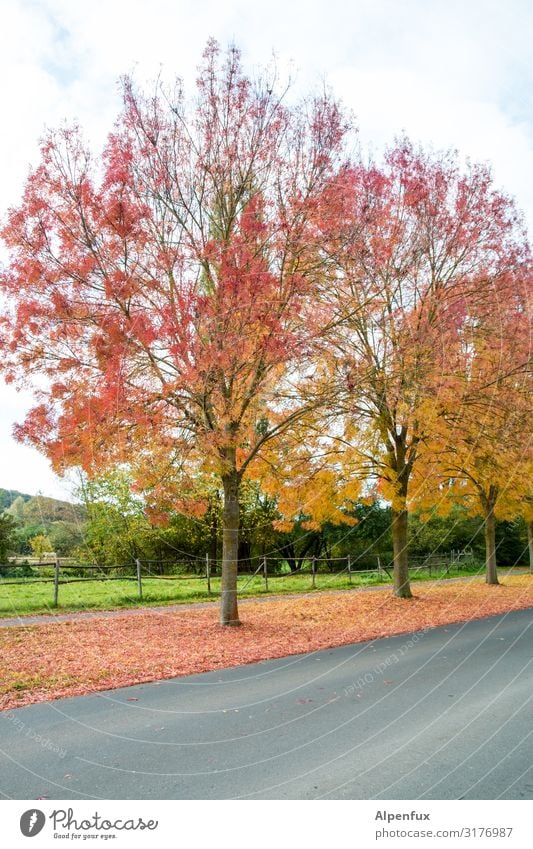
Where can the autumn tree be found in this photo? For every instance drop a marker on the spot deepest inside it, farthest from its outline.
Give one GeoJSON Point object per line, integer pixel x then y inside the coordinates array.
{"type": "Point", "coordinates": [166, 289]}
{"type": "Point", "coordinates": [423, 246]}
{"type": "Point", "coordinates": [304, 474]}
{"type": "Point", "coordinates": [479, 466]}
{"type": "Point", "coordinates": [479, 452]}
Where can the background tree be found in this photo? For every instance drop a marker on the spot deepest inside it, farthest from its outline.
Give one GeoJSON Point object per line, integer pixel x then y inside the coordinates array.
{"type": "Point", "coordinates": [40, 545]}
{"type": "Point", "coordinates": [16, 508]}
{"type": "Point", "coordinates": [65, 537]}
{"type": "Point", "coordinates": [8, 496]}
{"type": "Point", "coordinates": [528, 519]}
{"type": "Point", "coordinates": [434, 531]}
{"type": "Point", "coordinates": [7, 527]}
{"type": "Point", "coordinates": [121, 527]}
{"type": "Point", "coordinates": [115, 520]}
{"type": "Point", "coordinates": [167, 291]}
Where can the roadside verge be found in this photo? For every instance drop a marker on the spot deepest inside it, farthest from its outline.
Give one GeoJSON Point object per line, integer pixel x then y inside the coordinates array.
{"type": "Point", "coordinates": [74, 657]}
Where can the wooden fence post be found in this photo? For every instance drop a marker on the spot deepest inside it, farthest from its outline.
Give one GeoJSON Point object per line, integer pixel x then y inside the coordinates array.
{"type": "Point", "coordinates": [139, 580]}
{"type": "Point", "coordinates": [56, 580]}
{"type": "Point", "coordinates": [208, 573]}
{"type": "Point", "coordinates": [313, 567]}
{"type": "Point", "coordinates": [265, 572]}
{"type": "Point", "coordinates": [350, 568]}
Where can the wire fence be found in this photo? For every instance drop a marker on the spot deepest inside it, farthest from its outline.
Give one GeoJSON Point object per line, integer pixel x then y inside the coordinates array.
{"type": "Point", "coordinates": [265, 569]}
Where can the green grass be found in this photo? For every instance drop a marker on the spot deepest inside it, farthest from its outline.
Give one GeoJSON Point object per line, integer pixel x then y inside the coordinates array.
{"type": "Point", "coordinates": [25, 598]}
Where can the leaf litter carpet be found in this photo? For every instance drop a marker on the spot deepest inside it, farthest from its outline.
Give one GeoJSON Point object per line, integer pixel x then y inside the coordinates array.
{"type": "Point", "coordinates": [54, 660]}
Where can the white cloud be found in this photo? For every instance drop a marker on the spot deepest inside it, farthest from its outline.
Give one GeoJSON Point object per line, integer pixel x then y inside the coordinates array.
{"type": "Point", "coordinates": [447, 72]}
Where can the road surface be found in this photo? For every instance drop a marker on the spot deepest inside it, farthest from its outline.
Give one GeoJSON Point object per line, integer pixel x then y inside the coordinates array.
{"type": "Point", "coordinates": [442, 714]}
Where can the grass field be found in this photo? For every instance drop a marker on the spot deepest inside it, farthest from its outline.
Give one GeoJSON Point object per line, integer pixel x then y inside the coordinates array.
{"type": "Point", "coordinates": [27, 598]}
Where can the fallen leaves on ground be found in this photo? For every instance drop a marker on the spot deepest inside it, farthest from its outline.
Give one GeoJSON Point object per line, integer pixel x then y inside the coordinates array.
{"type": "Point", "coordinates": [49, 661]}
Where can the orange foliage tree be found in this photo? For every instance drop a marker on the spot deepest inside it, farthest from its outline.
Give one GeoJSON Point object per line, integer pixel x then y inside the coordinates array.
{"type": "Point", "coordinates": [166, 291]}
{"type": "Point", "coordinates": [479, 452]}
{"type": "Point", "coordinates": [421, 247]}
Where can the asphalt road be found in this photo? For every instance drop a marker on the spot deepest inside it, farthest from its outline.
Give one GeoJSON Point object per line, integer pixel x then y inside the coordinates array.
{"type": "Point", "coordinates": [445, 714]}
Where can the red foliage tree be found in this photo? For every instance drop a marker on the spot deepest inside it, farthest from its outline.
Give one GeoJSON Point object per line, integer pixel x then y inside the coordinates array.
{"type": "Point", "coordinates": [166, 290]}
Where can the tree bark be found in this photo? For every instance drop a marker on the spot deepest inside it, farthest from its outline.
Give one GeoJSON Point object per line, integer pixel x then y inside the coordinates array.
{"type": "Point", "coordinates": [530, 544]}
{"type": "Point", "coordinates": [401, 586]}
{"type": "Point", "coordinates": [491, 576]}
{"type": "Point", "coordinates": [229, 614]}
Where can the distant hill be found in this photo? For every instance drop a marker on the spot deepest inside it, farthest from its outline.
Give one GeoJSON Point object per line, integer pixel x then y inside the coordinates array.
{"type": "Point", "coordinates": [35, 515]}
{"type": "Point", "coordinates": [38, 508]}
{"type": "Point", "coordinates": [8, 496]}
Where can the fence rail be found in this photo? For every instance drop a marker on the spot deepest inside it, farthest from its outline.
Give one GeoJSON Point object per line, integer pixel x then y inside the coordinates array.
{"type": "Point", "coordinates": [268, 569]}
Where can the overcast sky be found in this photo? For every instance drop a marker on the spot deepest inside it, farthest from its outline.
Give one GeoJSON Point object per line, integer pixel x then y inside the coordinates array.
{"type": "Point", "coordinates": [447, 72]}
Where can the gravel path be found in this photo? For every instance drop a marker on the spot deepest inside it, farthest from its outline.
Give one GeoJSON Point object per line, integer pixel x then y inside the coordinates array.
{"type": "Point", "coordinates": [47, 618]}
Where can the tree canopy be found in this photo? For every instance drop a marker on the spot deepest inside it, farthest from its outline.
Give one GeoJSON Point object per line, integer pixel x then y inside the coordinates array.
{"type": "Point", "coordinates": [229, 293]}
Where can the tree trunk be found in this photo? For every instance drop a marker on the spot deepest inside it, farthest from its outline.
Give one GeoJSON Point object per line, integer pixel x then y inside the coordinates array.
{"type": "Point", "coordinates": [230, 550]}
{"type": "Point", "coordinates": [530, 544]}
{"type": "Point", "coordinates": [214, 540]}
{"type": "Point", "coordinates": [401, 587]}
{"type": "Point", "coordinates": [490, 546]}
{"type": "Point", "coordinates": [245, 556]}
{"type": "Point", "coordinates": [287, 551]}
